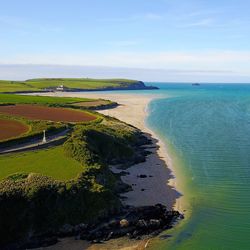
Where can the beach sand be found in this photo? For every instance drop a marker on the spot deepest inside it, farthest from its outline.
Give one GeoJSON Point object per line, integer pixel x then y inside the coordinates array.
{"type": "Point", "coordinates": [160, 187]}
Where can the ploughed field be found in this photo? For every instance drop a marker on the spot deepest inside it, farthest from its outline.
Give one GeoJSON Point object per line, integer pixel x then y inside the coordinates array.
{"type": "Point", "coordinates": [11, 128]}
{"type": "Point", "coordinates": [36, 112]}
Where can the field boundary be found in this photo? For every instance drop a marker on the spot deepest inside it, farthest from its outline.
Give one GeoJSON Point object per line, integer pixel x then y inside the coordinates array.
{"type": "Point", "coordinates": [54, 140]}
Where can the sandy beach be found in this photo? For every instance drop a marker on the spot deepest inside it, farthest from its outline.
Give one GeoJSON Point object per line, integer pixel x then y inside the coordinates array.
{"type": "Point", "coordinates": [159, 186]}
{"type": "Point", "coordinates": [132, 109]}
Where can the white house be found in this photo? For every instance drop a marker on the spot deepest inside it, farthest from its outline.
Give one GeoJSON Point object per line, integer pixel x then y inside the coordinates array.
{"type": "Point", "coordinates": [60, 87]}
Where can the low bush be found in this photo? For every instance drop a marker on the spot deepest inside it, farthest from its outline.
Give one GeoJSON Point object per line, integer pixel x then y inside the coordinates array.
{"type": "Point", "coordinates": [33, 204]}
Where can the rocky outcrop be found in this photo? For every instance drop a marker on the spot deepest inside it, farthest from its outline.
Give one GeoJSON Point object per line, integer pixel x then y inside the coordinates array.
{"type": "Point", "coordinates": [133, 222]}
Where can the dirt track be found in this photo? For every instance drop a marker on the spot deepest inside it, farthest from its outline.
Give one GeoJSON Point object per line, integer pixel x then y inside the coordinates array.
{"type": "Point", "coordinates": [10, 128]}
{"type": "Point", "coordinates": [35, 112]}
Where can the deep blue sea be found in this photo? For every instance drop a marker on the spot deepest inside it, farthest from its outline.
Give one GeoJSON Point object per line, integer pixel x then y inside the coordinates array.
{"type": "Point", "coordinates": [207, 132]}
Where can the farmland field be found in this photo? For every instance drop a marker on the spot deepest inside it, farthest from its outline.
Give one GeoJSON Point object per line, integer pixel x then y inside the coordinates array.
{"type": "Point", "coordinates": [50, 162]}
{"type": "Point", "coordinates": [35, 112]}
{"type": "Point", "coordinates": [11, 128]}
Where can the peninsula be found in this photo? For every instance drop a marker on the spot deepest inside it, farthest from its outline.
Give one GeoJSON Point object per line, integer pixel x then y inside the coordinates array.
{"type": "Point", "coordinates": [71, 84]}
{"type": "Point", "coordinates": [94, 177]}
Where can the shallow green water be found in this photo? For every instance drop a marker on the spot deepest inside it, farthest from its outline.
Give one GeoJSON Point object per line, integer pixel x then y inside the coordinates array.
{"type": "Point", "coordinates": [207, 129]}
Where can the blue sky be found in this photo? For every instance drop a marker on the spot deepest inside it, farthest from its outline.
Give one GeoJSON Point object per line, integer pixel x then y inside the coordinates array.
{"type": "Point", "coordinates": [200, 40]}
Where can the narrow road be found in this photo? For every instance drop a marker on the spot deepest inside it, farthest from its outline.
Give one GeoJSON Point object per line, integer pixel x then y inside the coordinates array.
{"type": "Point", "coordinates": [51, 140]}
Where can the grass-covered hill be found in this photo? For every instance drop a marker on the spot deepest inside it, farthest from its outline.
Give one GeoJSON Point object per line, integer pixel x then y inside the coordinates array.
{"type": "Point", "coordinates": [47, 100]}
{"type": "Point", "coordinates": [73, 102]}
{"type": "Point", "coordinates": [71, 184]}
{"type": "Point", "coordinates": [72, 84]}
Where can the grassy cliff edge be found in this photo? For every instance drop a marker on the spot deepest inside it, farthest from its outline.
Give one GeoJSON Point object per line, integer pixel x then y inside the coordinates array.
{"type": "Point", "coordinates": [34, 204]}
{"type": "Point", "coordinates": [70, 84]}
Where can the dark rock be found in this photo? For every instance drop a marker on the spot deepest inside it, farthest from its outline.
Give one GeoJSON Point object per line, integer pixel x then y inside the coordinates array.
{"type": "Point", "coordinates": [133, 222]}
{"type": "Point", "coordinates": [66, 230]}
{"type": "Point", "coordinates": [181, 216]}
{"type": "Point", "coordinates": [124, 173]}
{"type": "Point", "coordinates": [113, 223]}
{"type": "Point", "coordinates": [165, 236]}
{"type": "Point", "coordinates": [97, 241]}
{"type": "Point", "coordinates": [121, 187]}
{"type": "Point", "coordinates": [142, 224]}
{"type": "Point", "coordinates": [156, 232]}
{"type": "Point", "coordinates": [135, 234]}
{"type": "Point", "coordinates": [124, 223]}
{"type": "Point", "coordinates": [109, 236]}
{"type": "Point", "coordinates": [80, 227]}
{"type": "Point", "coordinates": [142, 176]}
{"type": "Point", "coordinates": [78, 237]}
{"type": "Point", "coordinates": [154, 223]}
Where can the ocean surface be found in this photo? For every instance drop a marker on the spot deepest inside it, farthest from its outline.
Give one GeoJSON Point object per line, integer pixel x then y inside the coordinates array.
{"type": "Point", "coordinates": [207, 131]}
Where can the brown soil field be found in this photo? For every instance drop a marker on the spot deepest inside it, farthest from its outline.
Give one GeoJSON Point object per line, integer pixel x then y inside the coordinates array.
{"type": "Point", "coordinates": [10, 128]}
{"type": "Point", "coordinates": [36, 112]}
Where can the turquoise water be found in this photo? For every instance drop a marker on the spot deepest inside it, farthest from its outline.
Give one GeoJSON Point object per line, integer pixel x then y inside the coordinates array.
{"type": "Point", "coordinates": [207, 130]}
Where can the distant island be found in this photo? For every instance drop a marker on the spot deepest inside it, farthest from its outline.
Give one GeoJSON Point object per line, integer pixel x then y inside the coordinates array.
{"type": "Point", "coordinates": [195, 84]}
{"type": "Point", "coordinates": [71, 84]}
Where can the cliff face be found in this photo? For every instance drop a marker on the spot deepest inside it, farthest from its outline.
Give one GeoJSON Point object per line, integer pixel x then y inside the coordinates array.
{"type": "Point", "coordinates": [136, 85]}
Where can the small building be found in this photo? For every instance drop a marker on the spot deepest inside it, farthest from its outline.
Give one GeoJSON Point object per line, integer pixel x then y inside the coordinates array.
{"type": "Point", "coordinates": [60, 87]}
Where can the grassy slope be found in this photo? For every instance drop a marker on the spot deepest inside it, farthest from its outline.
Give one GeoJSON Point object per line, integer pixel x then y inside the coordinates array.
{"type": "Point", "coordinates": [41, 204]}
{"type": "Point", "coordinates": [51, 162]}
{"type": "Point", "coordinates": [89, 145]}
{"type": "Point", "coordinates": [17, 99]}
{"type": "Point", "coordinates": [12, 86]}
{"type": "Point", "coordinates": [79, 83]}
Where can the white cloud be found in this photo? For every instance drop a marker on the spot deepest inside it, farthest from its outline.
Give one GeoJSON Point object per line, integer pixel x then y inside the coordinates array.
{"type": "Point", "coordinates": [207, 22]}
{"type": "Point", "coordinates": [237, 61]}
{"type": "Point", "coordinates": [27, 71]}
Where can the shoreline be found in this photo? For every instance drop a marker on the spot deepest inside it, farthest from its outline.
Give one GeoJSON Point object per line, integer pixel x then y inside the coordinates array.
{"type": "Point", "coordinates": [160, 184]}
{"type": "Point", "coordinates": [134, 110]}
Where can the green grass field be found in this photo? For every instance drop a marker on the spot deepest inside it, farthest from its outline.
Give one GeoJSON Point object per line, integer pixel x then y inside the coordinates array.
{"type": "Point", "coordinates": [13, 86]}
{"type": "Point", "coordinates": [25, 99]}
{"type": "Point", "coordinates": [50, 162]}
{"type": "Point", "coordinates": [72, 83]}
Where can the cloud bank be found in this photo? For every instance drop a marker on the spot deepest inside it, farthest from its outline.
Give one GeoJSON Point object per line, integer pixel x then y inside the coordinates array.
{"type": "Point", "coordinates": [181, 66]}
{"type": "Point", "coordinates": [27, 71]}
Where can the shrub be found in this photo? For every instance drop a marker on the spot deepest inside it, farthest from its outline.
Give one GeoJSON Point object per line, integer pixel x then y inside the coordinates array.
{"type": "Point", "coordinates": [33, 203]}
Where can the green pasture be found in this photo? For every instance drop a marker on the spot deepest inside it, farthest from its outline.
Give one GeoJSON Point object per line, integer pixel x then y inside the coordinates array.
{"type": "Point", "coordinates": [50, 162]}
{"type": "Point", "coordinates": [15, 86]}
{"type": "Point", "coordinates": [26, 99]}
{"type": "Point", "coordinates": [72, 83]}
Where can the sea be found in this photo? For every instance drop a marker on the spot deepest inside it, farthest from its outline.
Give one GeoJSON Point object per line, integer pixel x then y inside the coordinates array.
{"type": "Point", "coordinates": [206, 130]}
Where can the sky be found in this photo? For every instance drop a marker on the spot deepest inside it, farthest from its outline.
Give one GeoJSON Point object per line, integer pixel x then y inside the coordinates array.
{"type": "Point", "coordinates": [161, 40]}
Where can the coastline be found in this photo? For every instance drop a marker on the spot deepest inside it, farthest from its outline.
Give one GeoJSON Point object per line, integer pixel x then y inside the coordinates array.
{"type": "Point", "coordinates": [159, 185]}
{"type": "Point", "coordinates": [161, 188]}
